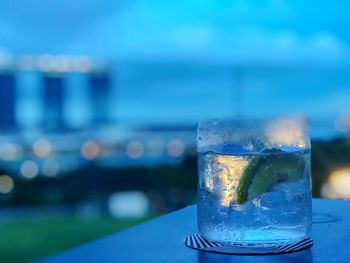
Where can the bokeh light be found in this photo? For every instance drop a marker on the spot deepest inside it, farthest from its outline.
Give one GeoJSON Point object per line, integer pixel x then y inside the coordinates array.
{"type": "Point", "coordinates": [9, 151]}
{"type": "Point", "coordinates": [6, 184]}
{"type": "Point", "coordinates": [339, 183]}
{"type": "Point", "coordinates": [62, 63]}
{"type": "Point", "coordinates": [134, 149]}
{"type": "Point", "coordinates": [59, 63]}
{"type": "Point", "coordinates": [89, 150]}
{"type": "Point", "coordinates": [45, 62]}
{"type": "Point", "coordinates": [29, 169]}
{"type": "Point", "coordinates": [175, 148]}
{"type": "Point", "coordinates": [287, 131]}
{"type": "Point", "coordinates": [128, 204]}
{"type": "Point", "coordinates": [42, 148]}
{"type": "Point", "coordinates": [229, 169]}
{"type": "Point", "coordinates": [82, 64]}
{"type": "Point", "coordinates": [50, 168]}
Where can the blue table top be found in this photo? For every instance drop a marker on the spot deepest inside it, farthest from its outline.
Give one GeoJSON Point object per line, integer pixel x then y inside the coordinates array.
{"type": "Point", "coordinates": [161, 240]}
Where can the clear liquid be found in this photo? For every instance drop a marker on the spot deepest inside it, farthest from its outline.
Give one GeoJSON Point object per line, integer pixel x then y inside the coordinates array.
{"type": "Point", "coordinates": [280, 214]}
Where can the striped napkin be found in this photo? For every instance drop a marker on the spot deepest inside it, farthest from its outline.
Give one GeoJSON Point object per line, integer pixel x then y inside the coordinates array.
{"type": "Point", "coordinates": [197, 241]}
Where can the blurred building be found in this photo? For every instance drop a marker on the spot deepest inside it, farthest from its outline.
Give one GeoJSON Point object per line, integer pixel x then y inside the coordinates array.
{"type": "Point", "coordinates": [100, 91]}
{"type": "Point", "coordinates": [7, 100]}
{"type": "Point", "coordinates": [53, 101]}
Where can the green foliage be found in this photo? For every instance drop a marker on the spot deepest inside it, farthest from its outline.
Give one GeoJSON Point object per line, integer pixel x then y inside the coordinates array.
{"type": "Point", "coordinates": [31, 240]}
{"type": "Point", "coordinates": [96, 183]}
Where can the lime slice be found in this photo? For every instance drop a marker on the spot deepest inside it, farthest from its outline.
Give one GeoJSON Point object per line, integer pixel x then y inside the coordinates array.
{"type": "Point", "coordinates": [264, 178]}
{"type": "Point", "coordinates": [246, 178]}
{"type": "Point", "coordinates": [263, 172]}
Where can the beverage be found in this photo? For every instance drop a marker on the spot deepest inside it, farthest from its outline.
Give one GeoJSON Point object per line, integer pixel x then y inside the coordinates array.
{"type": "Point", "coordinates": [254, 196]}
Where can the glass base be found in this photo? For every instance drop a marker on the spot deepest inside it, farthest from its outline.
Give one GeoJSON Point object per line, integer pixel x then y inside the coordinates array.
{"type": "Point", "coordinates": [197, 241]}
{"type": "Point", "coordinates": [268, 235]}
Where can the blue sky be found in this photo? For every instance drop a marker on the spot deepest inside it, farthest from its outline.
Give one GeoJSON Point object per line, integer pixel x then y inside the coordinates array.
{"type": "Point", "coordinates": [273, 30]}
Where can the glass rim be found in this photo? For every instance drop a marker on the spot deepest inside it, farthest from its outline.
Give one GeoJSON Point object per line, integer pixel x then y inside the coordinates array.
{"type": "Point", "coordinates": [276, 132]}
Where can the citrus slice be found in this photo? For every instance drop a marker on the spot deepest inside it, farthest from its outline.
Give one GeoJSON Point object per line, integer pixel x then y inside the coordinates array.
{"type": "Point", "coordinates": [264, 178]}
{"type": "Point", "coordinates": [246, 178]}
{"type": "Point", "coordinates": [263, 172]}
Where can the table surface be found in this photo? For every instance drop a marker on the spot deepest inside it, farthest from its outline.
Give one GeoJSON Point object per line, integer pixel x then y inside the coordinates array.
{"type": "Point", "coordinates": [161, 240]}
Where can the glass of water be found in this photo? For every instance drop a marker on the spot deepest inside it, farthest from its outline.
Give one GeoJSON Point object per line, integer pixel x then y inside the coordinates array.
{"type": "Point", "coordinates": [254, 180]}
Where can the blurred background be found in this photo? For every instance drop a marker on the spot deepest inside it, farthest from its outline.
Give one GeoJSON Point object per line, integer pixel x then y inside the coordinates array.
{"type": "Point", "coordinates": [99, 102]}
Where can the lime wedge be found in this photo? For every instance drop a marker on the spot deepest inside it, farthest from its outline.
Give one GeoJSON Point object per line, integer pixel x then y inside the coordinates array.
{"type": "Point", "coordinates": [264, 178]}
{"type": "Point", "coordinates": [246, 178]}
{"type": "Point", "coordinates": [263, 172]}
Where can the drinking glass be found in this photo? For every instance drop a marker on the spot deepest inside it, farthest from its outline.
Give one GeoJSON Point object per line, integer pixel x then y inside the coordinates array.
{"type": "Point", "coordinates": [254, 180]}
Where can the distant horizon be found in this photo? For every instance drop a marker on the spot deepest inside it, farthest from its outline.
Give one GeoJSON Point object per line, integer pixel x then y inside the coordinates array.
{"type": "Point", "coordinates": [183, 94]}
